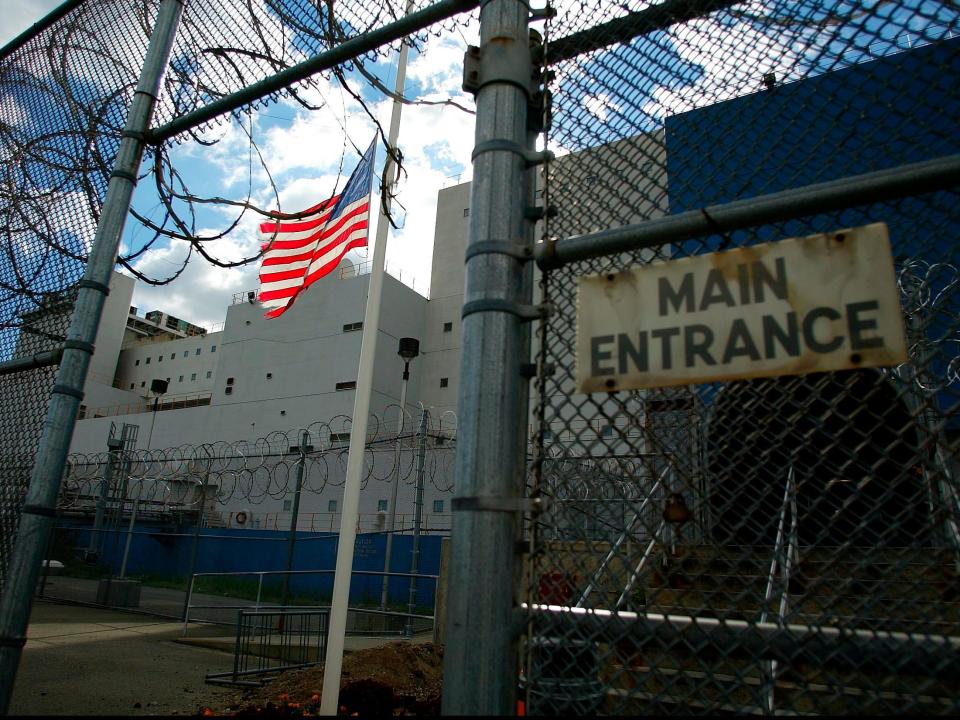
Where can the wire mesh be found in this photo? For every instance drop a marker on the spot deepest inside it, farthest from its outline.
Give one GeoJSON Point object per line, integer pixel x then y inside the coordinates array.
{"type": "Point", "coordinates": [64, 94]}
{"type": "Point", "coordinates": [702, 538]}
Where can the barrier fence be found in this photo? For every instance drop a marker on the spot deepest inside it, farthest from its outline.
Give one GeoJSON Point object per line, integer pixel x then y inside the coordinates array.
{"type": "Point", "coordinates": [740, 492]}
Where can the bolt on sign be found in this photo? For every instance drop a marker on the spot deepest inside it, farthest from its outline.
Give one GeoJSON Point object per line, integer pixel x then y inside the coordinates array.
{"type": "Point", "coordinates": [801, 305]}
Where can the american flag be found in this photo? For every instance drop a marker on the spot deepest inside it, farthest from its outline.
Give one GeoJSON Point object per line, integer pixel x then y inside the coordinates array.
{"type": "Point", "coordinates": [299, 252]}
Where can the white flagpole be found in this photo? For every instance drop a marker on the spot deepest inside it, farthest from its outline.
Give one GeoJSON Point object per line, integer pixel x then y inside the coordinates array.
{"type": "Point", "coordinates": [358, 432]}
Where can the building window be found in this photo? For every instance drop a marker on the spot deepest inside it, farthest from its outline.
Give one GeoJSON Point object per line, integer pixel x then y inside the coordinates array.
{"type": "Point", "coordinates": [269, 376]}
{"type": "Point", "coordinates": [198, 351]}
{"type": "Point", "coordinates": [448, 327]}
{"type": "Point", "coordinates": [147, 361]}
{"type": "Point", "coordinates": [181, 379]}
{"type": "Point", "coordinates": [142, 383]}
{"type": "Point", "coordinates": [349, 385]}
{"type": "Point", "coordinates": [286, 505]}
{"type": "Point", "coordinates": [137, 362]}
{"type": "Point", "coordinates": [332, 506]}
{"type": "Point", "coordinates": [466, 212]}
{"type": "Point", "coordinates": [193, 377]}
{"type": "Point", "coordinates": [160, 358]}
{"type": "Point", "coordinates": [352, 327]}
{"type": "Point", "coordinates": [213, 348]}
{"type": "Point", "coordinates": [381, 505]}
{"type": "Point", "coordinates": [173, 356]}
{"type": "Point", "coordinates": [132, 386]}
{"type": "Point", "coordinates": [548, 434]}
{"type": "Point", "coordinates": [606, 431]}
{"type": "Point", "coordinates": [438, 506]}
{"type": "Point", "coordinates": [444, 382]}
{"type": "Point", "coordinates": [209, 374]}
{"type": "Point", "coordinates": [229, 381]}
{"type": "Point", "coordinates": [168, 381]}
{"type": "Point", "coordinates": [228, 390]}
{"type": "Point", "coordinates": [186, 353]}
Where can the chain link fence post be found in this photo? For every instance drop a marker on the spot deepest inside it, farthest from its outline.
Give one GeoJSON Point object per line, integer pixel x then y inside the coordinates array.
{"type": "Point", "coordinates": [480, 658]}
{"type": "Point", "coordinates": [38, 510]}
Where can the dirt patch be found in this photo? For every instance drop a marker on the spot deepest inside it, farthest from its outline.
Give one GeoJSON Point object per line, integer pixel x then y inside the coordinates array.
{"type": "Point", "coordinates": [398, 678]}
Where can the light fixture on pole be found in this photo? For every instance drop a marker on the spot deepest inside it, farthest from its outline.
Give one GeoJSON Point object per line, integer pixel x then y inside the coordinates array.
{"type": "Point", "coordinates": [409, 349]}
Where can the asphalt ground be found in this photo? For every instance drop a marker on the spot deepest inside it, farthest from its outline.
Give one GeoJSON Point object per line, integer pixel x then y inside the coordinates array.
{"type": "Point", "coordinates": [83, 660]}
{"type": "Point", "coordinates": [92, 661]}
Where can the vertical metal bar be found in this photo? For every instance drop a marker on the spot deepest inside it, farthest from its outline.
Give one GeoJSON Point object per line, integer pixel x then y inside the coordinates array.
{"type": "Point", "coordinates": [126, 544]}
{"type": "Point", "coordinates": [417, 516]}
{"type": "Point", "coordinates": [96, 540]}
{"type": "Point", "coordinates": [259, 589]}
{"type": "Point", "coordinates": [196, 534]}
{"type": "Point", "coordinates": [292, 541]}
{"type": "Point", "coordinates": [480, 661]}
{"type": "Point", "coordinates": [392, 518]}
{"type": "Point", "coordinates": [339, 601]}
{"type": "Point", "coordinates": [186, 605]}
{"type": "Point", "coordinates": [37, 515]}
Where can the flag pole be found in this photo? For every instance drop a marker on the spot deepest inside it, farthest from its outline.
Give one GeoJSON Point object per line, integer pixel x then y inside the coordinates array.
{"type": "Point", "coordinates": [358, 432]}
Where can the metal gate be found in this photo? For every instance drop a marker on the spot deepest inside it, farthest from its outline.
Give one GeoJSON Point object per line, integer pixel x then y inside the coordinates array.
{"type": "Point", "coordinates": [774, 544]}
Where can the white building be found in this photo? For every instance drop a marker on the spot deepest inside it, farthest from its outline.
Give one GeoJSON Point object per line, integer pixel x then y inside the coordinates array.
{"type": "Point", "coordinates": [258, 376]}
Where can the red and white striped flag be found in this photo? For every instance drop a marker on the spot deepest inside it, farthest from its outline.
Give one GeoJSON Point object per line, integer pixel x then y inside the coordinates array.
{"type": "Point", "coordinates": [299, 252]}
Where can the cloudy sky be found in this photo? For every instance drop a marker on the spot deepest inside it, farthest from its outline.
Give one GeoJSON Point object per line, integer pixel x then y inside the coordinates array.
{"type": "Point", "coordinates": [303, 153]}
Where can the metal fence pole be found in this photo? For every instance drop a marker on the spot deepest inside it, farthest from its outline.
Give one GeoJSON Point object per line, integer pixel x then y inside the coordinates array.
{"type": "Point", "coordinates": [95, 546]}
{"type": "Point", "coordinates": [38, 509]}
{"type": "Point", "coordinates": [480, 659]}
{"type": "Point", "coordinates": [392, 517]}
{"type": "Point", "coordinates": [292, 541]}
{"type": "Point", "coordinates": [417, 516]}
{"type": "Point", "coordinates": [194, 549]}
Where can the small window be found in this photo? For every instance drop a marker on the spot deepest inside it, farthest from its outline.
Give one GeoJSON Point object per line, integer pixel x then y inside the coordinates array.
{"type": "Point", "coordinates": [132, 386]}
{"type": "Point", "coordinates": [332, 506]}
{"type": "Point", "coordinates": [381, 505]}
{"type": "Point", "coordinates": [287, 505]}
{"type": "Point", "coordinates": [438, 506]}
{"type": "Point", "coordinates": [606, 431]}
{"type": "Point", "coordinates": [269, 376]}
{"type": "Point", "coordinates": [548, 434]}
{"type": "Point", "coordinates": [168, 381]}
{"type": "Point", "coordinates": [186, 353]}
{"type": "Point", "coordinates": [142, 383]}
{"type": "Point", "coordinates": [193, 377]}
{"type": "Point", "coordinates": [198, 351]}
{"type": "Point", "coordinates": [349, 385]}
{"type": "Point", "coordinates": [160, 359]}
{"type": "Point", "coordinates": [213, 348]}
{"type": "Point", "coordinates": [466, 212]}
{"type": "Point", "coordinates": [137, 362]}
{"type": "Point", "coordinates": [209, 374]}
{"type": "Point", "coordinates": [147, 362]}
{"type": "Point", "coordinates": [173, 356]}
{"type": "Point", "coordinates": [181, 379]}
{"type": "Point", "coordinates": [448, 327]}
{"type": "Point", "coordinates": [228, 390]}
{"type": "Point", "coordinates": [353, 327]}
{"type": "Point", "coordinates": [539, 193]}
{"type": "Point", "coordinates": [229, 381]}
{"type": "Point", "coordinates": [444, 382]}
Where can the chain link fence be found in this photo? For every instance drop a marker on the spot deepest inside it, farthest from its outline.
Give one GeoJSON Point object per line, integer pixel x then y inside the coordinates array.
{"type": "Point", "coordinates": [776, 545]}
{"type": "Point", "coordinates": [245, 513]}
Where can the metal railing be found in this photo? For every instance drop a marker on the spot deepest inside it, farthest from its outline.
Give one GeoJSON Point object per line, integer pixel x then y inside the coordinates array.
{"type": "Point", "coordinates": [260, 575]}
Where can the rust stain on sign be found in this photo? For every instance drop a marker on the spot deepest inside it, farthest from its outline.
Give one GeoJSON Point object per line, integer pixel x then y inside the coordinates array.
{"type": "Point", "coordinates": [823, 302]}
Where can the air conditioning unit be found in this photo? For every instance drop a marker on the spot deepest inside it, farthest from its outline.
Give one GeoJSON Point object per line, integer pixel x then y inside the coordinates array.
{"type": "Point", "coordinates": [243, 517]}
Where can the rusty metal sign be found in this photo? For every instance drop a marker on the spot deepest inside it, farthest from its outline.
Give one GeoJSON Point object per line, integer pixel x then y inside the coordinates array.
{"type": "Point", "coordinates": [801, 305]}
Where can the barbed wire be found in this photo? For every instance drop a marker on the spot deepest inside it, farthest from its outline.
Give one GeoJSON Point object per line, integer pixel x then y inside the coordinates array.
{"type": "Point", "coordinates": [262, 469]}
{"type": "Point", "coordinates": [63, 95]}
